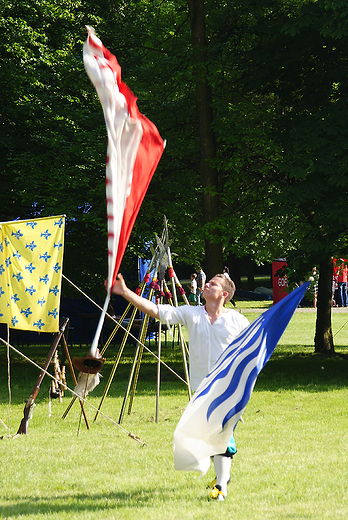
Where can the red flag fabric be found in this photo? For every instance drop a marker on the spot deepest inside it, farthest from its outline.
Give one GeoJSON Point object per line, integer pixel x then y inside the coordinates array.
{"type": "Point", "coordinates": [134, 148]}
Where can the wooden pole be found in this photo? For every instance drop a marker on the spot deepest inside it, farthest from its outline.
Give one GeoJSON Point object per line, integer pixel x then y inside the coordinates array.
{"type": "Point", "coordinates": [65, 346]}
{"type": "Point", "coordinates": [23, 427]}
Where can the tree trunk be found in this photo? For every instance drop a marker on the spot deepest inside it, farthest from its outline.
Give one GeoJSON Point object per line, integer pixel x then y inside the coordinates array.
{"type": "Point", "coordinates": [323, 340]}
{"type": "Point", "coordinates": [250, 273]}
{"type": "Point", "coordinates": [234, 265]}
{"type": "Point", "coordinates": [209, 174]}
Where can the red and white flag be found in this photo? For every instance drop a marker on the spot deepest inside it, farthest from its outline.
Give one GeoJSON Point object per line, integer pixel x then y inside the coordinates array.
{"type": "Point", "coordinates": [134, 147]}
{"type": "Point", "coordinates": [133, 151]}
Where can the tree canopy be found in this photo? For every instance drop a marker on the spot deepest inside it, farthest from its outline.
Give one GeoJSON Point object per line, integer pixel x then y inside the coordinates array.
{"type": "Point", "coordinates": [277, 82]}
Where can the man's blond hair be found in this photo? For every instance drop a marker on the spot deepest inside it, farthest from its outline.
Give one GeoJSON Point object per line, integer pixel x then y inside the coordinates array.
{"type": "Point", "coordinates": [227, 285]}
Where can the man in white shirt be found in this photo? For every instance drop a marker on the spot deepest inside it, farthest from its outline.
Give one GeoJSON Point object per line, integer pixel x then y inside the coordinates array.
{"type": "Point", "coordinates": [211, 328]}
{"type": "Point", "coordinates": [209, 334]}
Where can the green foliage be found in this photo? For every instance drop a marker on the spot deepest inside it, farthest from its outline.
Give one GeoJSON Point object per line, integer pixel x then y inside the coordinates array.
{"type": "Point", "coordinates": [53, 140]}
{"type": "Point", "coordinates": [278, 76]}
{"type": "Point", "coordinates": [51, 155]}
{"type": "Point", "coordinates": [297, 63]}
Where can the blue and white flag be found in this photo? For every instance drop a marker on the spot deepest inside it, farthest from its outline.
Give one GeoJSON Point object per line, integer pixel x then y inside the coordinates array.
{"type": "Point", "coordinates": [210, 418]}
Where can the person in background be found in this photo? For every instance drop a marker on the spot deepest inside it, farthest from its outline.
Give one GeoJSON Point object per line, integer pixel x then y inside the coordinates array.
{"type": "Point", "coordinates": [226, 272]}
{"type": "Point", "coordinates": [334, 289]}
{"type": "Point", "coordinates": [201, 279]}
{"type": "Point", "coordinates": [193, 289]}
{"type": "Point", "coordinates": [342, 272]}
{"type": "Point", "coordinates": [315, 276]}
{"type": "Point", "coordinates": [211, 329]}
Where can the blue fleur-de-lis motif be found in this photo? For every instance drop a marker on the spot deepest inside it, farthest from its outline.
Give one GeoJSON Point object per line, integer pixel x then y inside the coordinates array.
{"type": "Point", "coordinates": [59, 222]}
{"type": "Point", "coordinates": [14, 321]}
{"type": "Point", "coordinates": [44, 279]}
{"type": "Point", "coordinates": [15, 298]}
{"type": "Point", "coordinates": [41, 302]}
{"type": "Point", "coordinates": [31, 224]}
{"type": "Point", "coordinates": [31, 246]}
{"type": "Point", "coordinates": [16, 234]}
{"type": "Point", "coordinates": [7, 242]}
{"type": "Point", "coordinates": [26, 312]}
{"type": "Point", "coordinates": [56, 268]}
{"type": "Point", "coordinates": [58, 245]}
{"type": "Point", "coordinates": [39, 324]}
{"type": "Point", "coordinates": [45, 256]}
{"type": "Point", "coordinates": [18, 276]}
{"type": "Point", "coordinates": [30, 267]}
{"type": "Point", "coordinates": [54, 290]}
{"type": "Point", "coordinates": [53, 313]}
{"type": "Point", "coordinates": [1, 247]}
{"type": "Point", "coordinates": [1, 292]}
{"type": "Point", "coordinates": [2, 269]}
{"type": "Point", "coordinates": [46, 234]}
{"type": "Point", "coordinates": [17, 255]}
{"type": "Point", "coordinates": [30, 290]}
{"type": "Point", "coordinates": [8, 262]}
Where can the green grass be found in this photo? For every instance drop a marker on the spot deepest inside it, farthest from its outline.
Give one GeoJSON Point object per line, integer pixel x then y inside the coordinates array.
{"type": "Point", "coordinates": [292, 447]}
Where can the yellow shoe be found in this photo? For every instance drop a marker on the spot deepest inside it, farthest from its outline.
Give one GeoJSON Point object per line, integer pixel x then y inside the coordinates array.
{"type": "Point", "coordinates": [216, 493]}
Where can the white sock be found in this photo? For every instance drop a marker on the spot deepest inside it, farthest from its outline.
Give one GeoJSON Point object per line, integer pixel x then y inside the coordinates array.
{"type": "Point", "coordinates": [222, 468]}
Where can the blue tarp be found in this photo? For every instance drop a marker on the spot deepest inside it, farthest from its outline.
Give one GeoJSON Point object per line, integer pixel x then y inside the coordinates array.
{"type": "Point", "coordinates": [250, 295]}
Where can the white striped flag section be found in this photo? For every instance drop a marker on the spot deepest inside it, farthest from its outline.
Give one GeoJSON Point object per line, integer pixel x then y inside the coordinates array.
{"type": "Point", "coordinates": [31, 257]}
{"type": "Point", "coordinates": [210, 418]}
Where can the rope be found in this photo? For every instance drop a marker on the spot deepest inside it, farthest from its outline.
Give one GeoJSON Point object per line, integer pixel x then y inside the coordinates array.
{"type": "Point", "coordinates": [5, 425]}
{"type": "Point", "coordinates": [340, 329]}
{"type": "Point", "coordinates": [8, 380]}
{"type": "Point", "coordinates": [130, 434]}
{"type": "Point", "coordinates": [129, 333]}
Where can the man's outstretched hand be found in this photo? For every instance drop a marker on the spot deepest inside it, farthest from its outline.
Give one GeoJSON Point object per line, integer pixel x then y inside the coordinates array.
{"type": "Point", "coordinates": [119, 286]}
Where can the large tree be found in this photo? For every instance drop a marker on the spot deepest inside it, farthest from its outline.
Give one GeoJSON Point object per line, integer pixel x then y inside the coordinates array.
{"type": "Point", "coordinates": [299, 60]}
{"type": "Point", "coordinates": [205, 117]}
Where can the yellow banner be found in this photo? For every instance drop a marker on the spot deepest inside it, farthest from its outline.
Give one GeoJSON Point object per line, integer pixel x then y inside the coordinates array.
{"type": "Point", "coordinates": [31, 258]}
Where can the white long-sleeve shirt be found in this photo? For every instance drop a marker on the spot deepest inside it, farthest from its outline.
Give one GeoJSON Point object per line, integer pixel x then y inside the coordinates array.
{"type": "Point", "coordinates": [206, 341]}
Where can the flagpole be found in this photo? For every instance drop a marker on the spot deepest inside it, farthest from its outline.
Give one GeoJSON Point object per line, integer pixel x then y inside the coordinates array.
{"type": "Point", "coordinates": [142, 337]}
{"type": "Point", "coordinates": [175, 301]}
{"type": "Point", "coordinates": [159, 345]}
{"type": "Point", "coordinates": [137, 356]}
{"type": "Point", "coordinates": [119, 354]}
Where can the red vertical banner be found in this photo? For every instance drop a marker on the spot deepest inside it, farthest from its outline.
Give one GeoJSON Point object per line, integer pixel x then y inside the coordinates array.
{"type": "Point", "coordinates": [279, 283]}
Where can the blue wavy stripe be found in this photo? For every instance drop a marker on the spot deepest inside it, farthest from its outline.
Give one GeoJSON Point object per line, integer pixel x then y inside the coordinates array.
{"type": "Point", "coordinates": [242, 343]}
{"type": "Point", "coordinates": [237, 372]}
{"type": "Point", "coordinates": [235, 353]}
{"type": "Point", "coordinates": [239, 407]}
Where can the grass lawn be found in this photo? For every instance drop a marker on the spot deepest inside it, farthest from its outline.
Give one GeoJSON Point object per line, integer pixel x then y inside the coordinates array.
{"type": "Point", "coordinates": [292, 448]}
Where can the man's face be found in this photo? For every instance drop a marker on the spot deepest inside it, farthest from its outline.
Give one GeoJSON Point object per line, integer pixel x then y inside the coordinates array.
{"type": "Point", "coordinates": [213, 289]}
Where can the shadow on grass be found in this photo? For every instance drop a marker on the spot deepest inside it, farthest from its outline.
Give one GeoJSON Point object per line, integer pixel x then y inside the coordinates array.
{"type": "Point", "coordinates": [304, 371]}
{"type": "Point", "coordinates": [24, 374]}
{"type": "Point", "coordinates": [80, 503]}
{"type": "Point", "coordinates": [288, 369]}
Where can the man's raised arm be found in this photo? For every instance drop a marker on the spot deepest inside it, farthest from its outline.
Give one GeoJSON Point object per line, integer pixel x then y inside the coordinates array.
{"type": "Point", "coordinates": [140, 303]}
